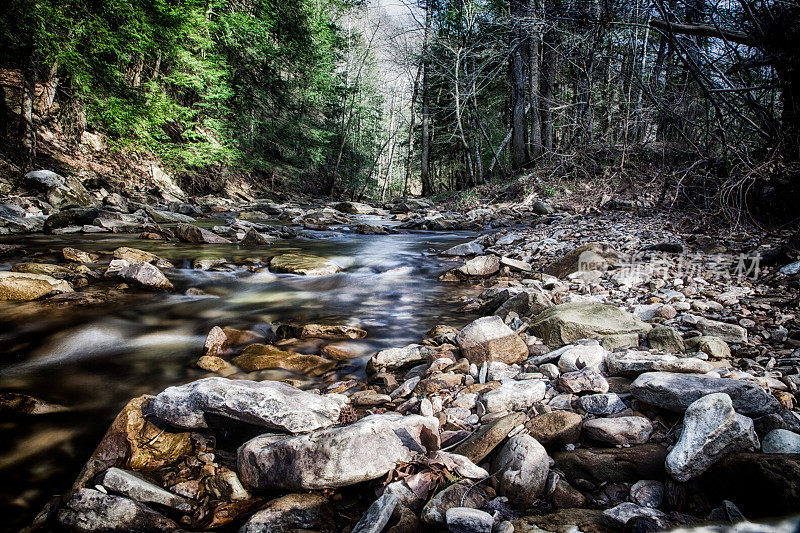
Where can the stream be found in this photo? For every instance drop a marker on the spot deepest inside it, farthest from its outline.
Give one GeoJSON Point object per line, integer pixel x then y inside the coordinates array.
{"type": "Point", "coordinates": [92, 359]}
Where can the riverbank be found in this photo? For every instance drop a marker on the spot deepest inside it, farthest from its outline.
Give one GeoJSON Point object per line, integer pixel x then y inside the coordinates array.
{"type": "Point", "coordinates": [613, 371]}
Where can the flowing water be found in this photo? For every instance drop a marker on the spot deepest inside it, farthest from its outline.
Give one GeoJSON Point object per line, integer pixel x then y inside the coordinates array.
{"type": "Point", "coordinates": [92, 359]}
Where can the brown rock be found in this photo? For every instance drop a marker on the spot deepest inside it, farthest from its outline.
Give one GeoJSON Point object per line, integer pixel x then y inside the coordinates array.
{"type": "Point", "coordinates": [194, 235]}
{"type": "Point", "coordinates": [566, 496]}
{"type": "Point", "coordinates": [490, 339]}
{"type": "Point", "coordinates": [134, 443]}
{"type": "Point", "coordinates": [237, 337]}
{"type": "Point", "coordinates": [438, 382]}
{"type": "Point", "coordinates": [212, 363]}
{"type": "Point", "coordinates": [319, 331]}
{"type": "Point", "coordinates": [78, 256]}
{"type": "Point", "coordinates": [645, 461]}
{"type": "Point", "coordinates": [564, 520]}
{"type": "Point", "coordinates": [408, 523]}
{"type": "Point", "coordinates": [262, 356]}
{"type": "Point", "coordinates": [590, 256]}
{"type": "Point", "coordinates": [555, 428]}
{"type": "Point", "coordinates": [488, 437]}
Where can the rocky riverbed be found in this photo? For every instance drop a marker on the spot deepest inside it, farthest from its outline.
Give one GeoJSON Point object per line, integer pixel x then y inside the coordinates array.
{"type": "Point", "coordinates": [613, 371]}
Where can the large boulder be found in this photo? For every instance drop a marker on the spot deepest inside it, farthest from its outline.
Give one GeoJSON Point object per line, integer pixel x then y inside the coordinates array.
{"type": "Point", "coordinates": [591, 256]}
{"type": "Point", "coordinates": [90, 511]}
{"type": "Point", "coordinates": [335, 457]}
{"type": "Point", "coordinates": [307, 265]}
{"type": "Point", "coordinates": [675, 392]}
{"type": "Point", "coordinates": [521, 468]}
{"type": "Point", "coordinates": [23, 287]}
{"type": "Point", "coordinates": [60, 191]}
{"type": "Point", "coordinates": [566, 323]}
{"type": "Point", "coordinates": [195, 235]}
{"type": "Point", "coordinates": [711, 430]}
{"type": "Point", "coordinates": [271, 404]}
{"type": "Point", "coordinates": [490, 339]}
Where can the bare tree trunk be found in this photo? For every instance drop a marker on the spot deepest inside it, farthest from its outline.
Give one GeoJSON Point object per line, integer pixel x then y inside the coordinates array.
{"type": "Point", "coordinates": [136, 72]}
{"type": "Point", "coordinates": [518, 80]}
{"type": "Point", "coordinates": [547, 73]}
{"type": "Point", "coordinates": [427, 188]}
{"type": "Point", "coordinates": [28, 118]}
{"type": "Point", "coordinates": [534, 79]}
{"type": "Point", "coordinates": [412, 123]}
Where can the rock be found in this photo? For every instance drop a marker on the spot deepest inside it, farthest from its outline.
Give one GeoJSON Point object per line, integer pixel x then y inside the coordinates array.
{"type": "Point", "coordinates": [481, 266]}
{"type": "Point", "coordinates": [461, 250]}
{"type": "Point", "coordinates": [781, 441]}
{"type": "Point", "coordinates": [335, 457]}
{"type": "Point", "coordinates": [137, 488]}
{"type": "Point", "coordinates": [23, 287]}
{"type": "Point", "coordinates": [623, 340]}
{"type": "Point", "coordinates": [468, 520]}
{"type": "Point", "coordinates": [262, 356]}
{"type": "Point", "coordinates": [566, 323]}
{"type": "Point", "coordinates": [14, 219]}
{"type": "Point", "coordinates": [78, 256]}
{"type": "Point", "coordinates": [791, 269]}
{"type": "Point", "coordinates": [61, 192]}
{"type": "Point", "coordinates": [145, 275]}
{"type": "Point", "coordinates": [619, 430]}
{"type": "Point", "coordinates": [666, 339]}
{"type": "Point", "coordinates": [307, 265]}
{"type": "Point", "coordinates": [514, 396]}
{"type": "Point", "coordinates": [134, 255]}
{"type": "Point", "coordinates": [488, 436]}
{"type": "Point", "coordinates": [270, 404]}
{"type": "Point", "coordinates": [618, 516]}
{"type": "Point", "coordinates": [90, 511]}
{"type": "Point", "coordinates": [252, 239]}
{"type": "Point", "coordinates": [378, 515]}
{"type": "Point", "coordinates": [675, 392]}
{"type": "Point", "coordinates": [635, 362]}
{"type": "Point", "coordinates": [319, 331]}
{"type": "Point", "coordinates": [540, 207]}
{"type": "Point", "coordinates": [711, 430]}
{"type": "Point", "coordinates": [521, 469]}
{"type": "Point", "coordinates": [591, 256]}
{"type": "Point", "coordinates": [515, 264]}
{"type": "Point", "coordinates": [713, 346]}
{"type": "Point", "coordinates": [647, 493]}
{"type": "Point", "coordinates": [354, 208]}
{"type": "Point", "coordinates": [762, 485]}
{"type": "Point", "coordinates": [291, 512]}
{"type": "Point", "coordinates": [564, 521]}
{"type": "Point", "coordinates": [215, 364]}
{"type": "Point", "coordinates": [216, 342]}
{"type": "Point", "coordinates": [18, 403]}
{"type": "Point", "coordinates": [586, 380]}
{"type": "Point", "coordinates": [167, 217]}
{"type": "Point", "coordinates": [524, 303]}
{"type": "Point", "coordinates": [555, 428]}
{"type": "Point", "coordinates": [195, 235]}
{"type": "Point", "coordinates": [574, 358]}
{"type": "Point", "coordinates": [462, 494]}
{"type": "Point", "coordinates": [612, 465]}
{"type": "Point", "coordinates": [44, 269]}
{"type": "Point", "coordinates": [602, 404]}
{"type": "Point", "coordinates": [727, 332]}
{"type": "Point", "coordinates": [394, 358]}
{"type": "Point", "coordinates": [70, 217]}
{"type": "Point", "coordinates": [490, 339]}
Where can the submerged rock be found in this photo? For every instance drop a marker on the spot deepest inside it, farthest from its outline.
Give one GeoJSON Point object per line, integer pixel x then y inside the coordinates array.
{"type": "Point", "coordinates": [334, 457]}
{"type": "Point", "coordinates": [263, 356]}
{"type": "Point", "coordinates": [22, 287]}
{"type": "Point", "coordinates": [307, 265]}
{"type": "Point", "coordinates": [711, 430]}
{"type": "Point", "coordinates": [270, 404]}
{"type": "Point", "coordinates": [566, 323]}
{"type": "Point", "coordinates": [195, 235]}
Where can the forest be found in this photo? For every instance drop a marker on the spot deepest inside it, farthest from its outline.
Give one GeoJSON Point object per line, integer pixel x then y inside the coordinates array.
{"type": "Point", "coordinates": [698, 99]}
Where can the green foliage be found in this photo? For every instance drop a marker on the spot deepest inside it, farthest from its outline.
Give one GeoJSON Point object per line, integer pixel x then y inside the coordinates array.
{"type": "Point", "coordinates": [253, 84]}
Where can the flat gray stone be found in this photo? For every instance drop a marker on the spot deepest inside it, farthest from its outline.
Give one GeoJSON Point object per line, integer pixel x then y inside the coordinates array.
{"type": "Point", "coordinates": [271, 404]}
{"type": "Point", "coordinates": [377, 516]}
{"type": "Point", "coordinates": [137, 488]}
{"type": "Point", "coordinates": [781, 441]}
{"type": "Point", "coordinates": [90, 511]}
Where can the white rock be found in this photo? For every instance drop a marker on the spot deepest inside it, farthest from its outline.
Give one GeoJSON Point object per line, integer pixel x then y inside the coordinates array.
{"type": "Point", "coordinates": [521, 469]}
{"type": "Point", "coordinates": [619, 430]}
{"type": "Point", "coordinates": [578, 357]}
{"type": "Point", "coordinates": [468, 520]}
{"type": "Point", "coordinates": [711, 430]}
{"type": "Point", "coordinates": [137, 488]}
{"type": "Point", "coordinates": [514, 396]}
{"type": "Point", "coordinates": [394, 358]}
{"type": "Point", "coordinates": [618, 516]}
{"type": "Point", "coordinates": [335, 457]}
{"type": "Point", "coordinates": [490, 339]}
